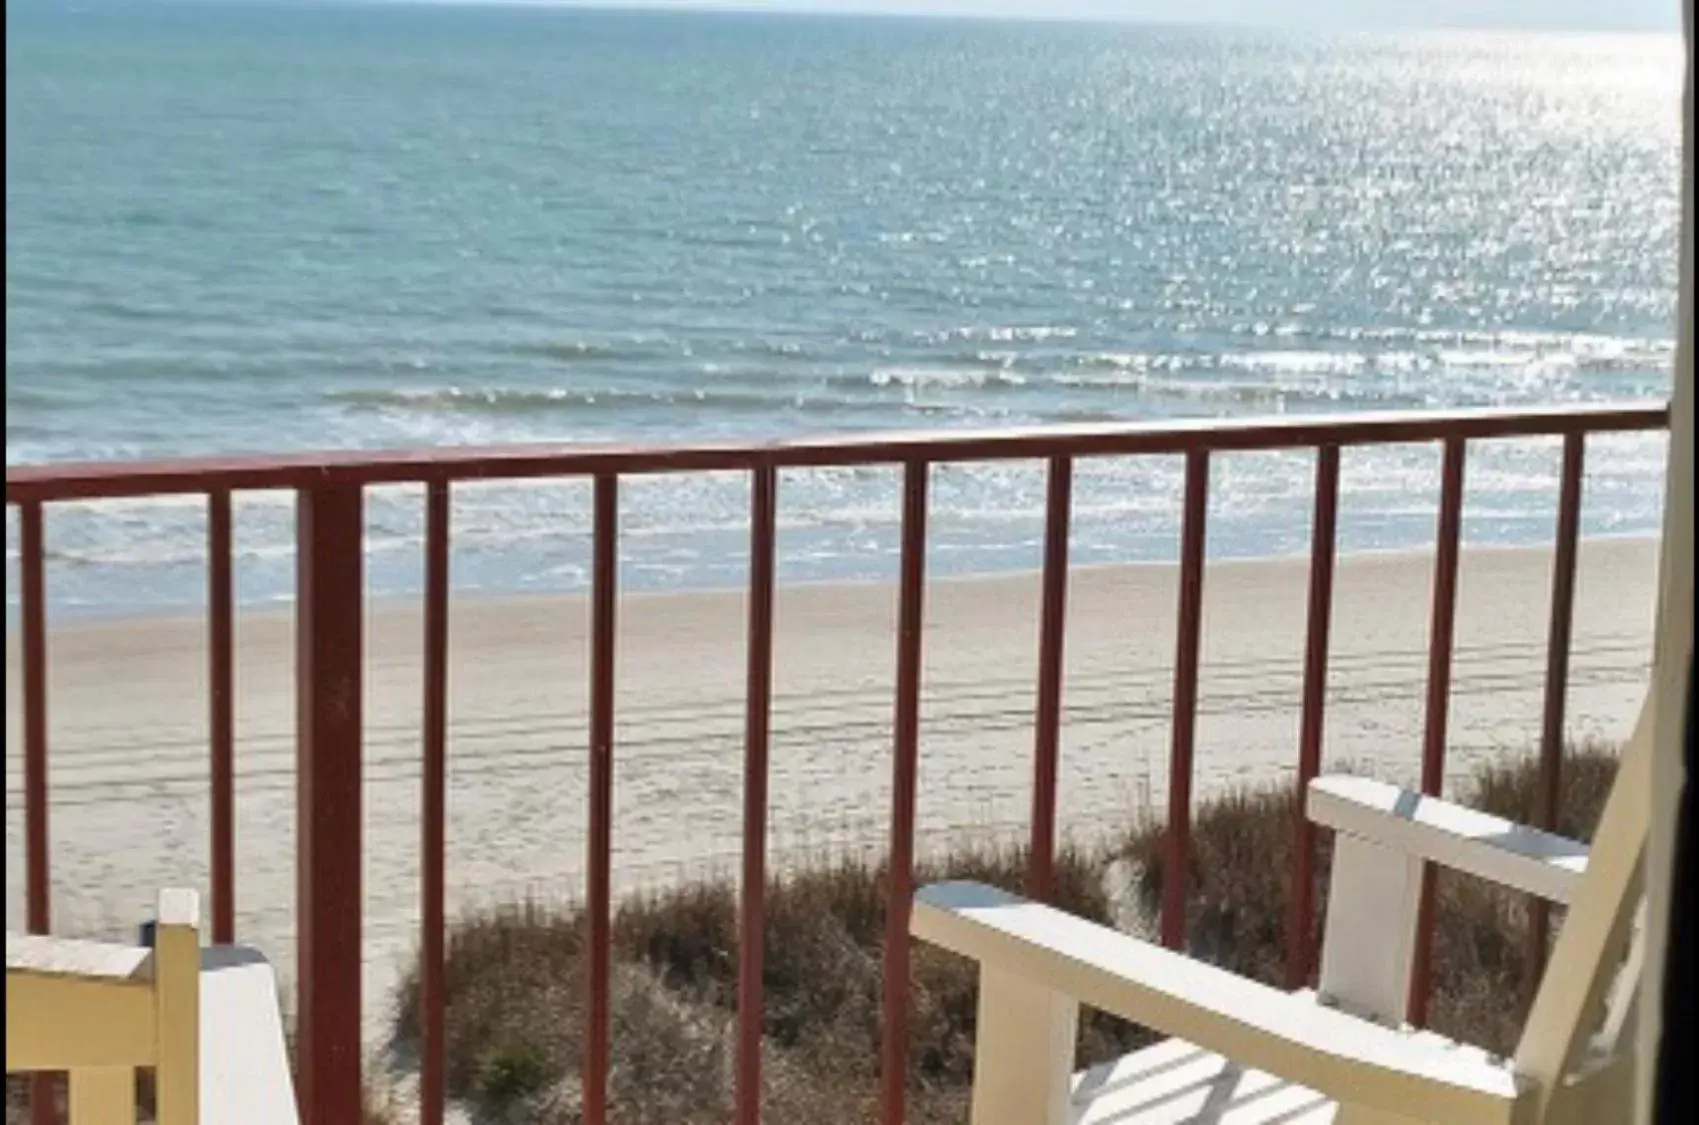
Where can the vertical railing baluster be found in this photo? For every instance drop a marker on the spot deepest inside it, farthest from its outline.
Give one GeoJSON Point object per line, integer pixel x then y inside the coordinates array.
{"type": "Point", "coordinates": [757, 719]}
{"type": "Point", "coordinates": [1051, 655]}
{"type": "Point", "coordinates": [604, 602]}
{"type": "Point", "coordinates": [32, 562]}
{"type": "Point", "coordinates": [1300, 929]}
{"type": "Point", "coordinates": [31, 568]}
{"type": "Point", "coordinates": [330, 622]}
{"type": "Point", "coordinates": [1185, 706]}
{"type": "Point", "coordinates": [1441, 634]}
{"type": "Point", "coordinates": [433, 815]}
{"type": "Point", "coordinates": [221, 720]}
{"type": "Point", "coordinates": [1557, 681]}
{"type": "Point", "coordinates": [905, 765]}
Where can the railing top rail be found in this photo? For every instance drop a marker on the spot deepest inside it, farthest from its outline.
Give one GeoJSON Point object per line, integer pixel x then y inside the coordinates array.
{"type": "Point", "coordinates": [91, 480]}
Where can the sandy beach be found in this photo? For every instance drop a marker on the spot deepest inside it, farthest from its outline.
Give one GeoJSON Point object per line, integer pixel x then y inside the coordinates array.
{"type": "Point", "coordinates": [128, 737]}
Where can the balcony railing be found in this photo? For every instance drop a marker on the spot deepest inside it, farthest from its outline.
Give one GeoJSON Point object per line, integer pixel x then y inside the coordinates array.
{"type": "Point", "coordinates": [329, 615]}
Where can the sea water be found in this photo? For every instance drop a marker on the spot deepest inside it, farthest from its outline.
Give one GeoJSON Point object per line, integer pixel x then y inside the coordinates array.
{"type": "Point", "coordinates": [248, 228]}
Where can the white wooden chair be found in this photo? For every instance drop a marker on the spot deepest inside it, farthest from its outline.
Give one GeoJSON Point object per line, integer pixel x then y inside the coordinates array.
{"type": "Point", "coordinates": [1244, 1052]}
{"type": "Point", "coordinates": [205, 1020]}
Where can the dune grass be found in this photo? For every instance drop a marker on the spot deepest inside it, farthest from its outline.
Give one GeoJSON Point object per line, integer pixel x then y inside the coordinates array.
{"type": "Point", "coordinates": [515, 975]}
{"type": "Point", "coordinates": [515, 981]}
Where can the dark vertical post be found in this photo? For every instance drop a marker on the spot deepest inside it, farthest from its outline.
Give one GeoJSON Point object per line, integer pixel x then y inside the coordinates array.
{"type": "Point", "coordinates": [434, 798]}
{"type": "Point", "coordinates": [329, 655]}
{"type": "Point", "coordinates": [905, 765]}
{"type": "Point", "coordinates": [604, 597]}
{"type": "Point", "coordinates": [31, 567]}
{"type": "Point", "coordinates": [1557, 682]}
{"type": "Point", "coordinates": [1048, 720]}
{"type": "Point", "coordinates": [1188, 637]}
{"type": "Point", "coordinates": [1300, 927]}
{"type": "Point", "coordinates": [32, 553]}
{"type": "Point", "coordinates": [757, 717]}
{"type": "Point", "coordinates": [221, 721]}
{"type": "Point", "coordinates": [1440, 641]}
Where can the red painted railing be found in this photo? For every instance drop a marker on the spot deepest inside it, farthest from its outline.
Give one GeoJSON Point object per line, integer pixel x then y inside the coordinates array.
{"type": "Point", "coordinates": [329, 490]}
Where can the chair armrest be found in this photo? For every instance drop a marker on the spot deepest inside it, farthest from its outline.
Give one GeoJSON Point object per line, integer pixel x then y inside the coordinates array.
{"type": "Point", "coordinates": [53, 956]}
{"type": "Point", "coordinates": [46, 955]}
{"type": "Point", "coordinates": [1490, 847]}
{"type": "Point", "coordinates": [1282, 1033]}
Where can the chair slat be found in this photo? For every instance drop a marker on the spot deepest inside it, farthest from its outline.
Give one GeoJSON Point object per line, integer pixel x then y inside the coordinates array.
{"type": "Point", "coordinates": [58, 1023]}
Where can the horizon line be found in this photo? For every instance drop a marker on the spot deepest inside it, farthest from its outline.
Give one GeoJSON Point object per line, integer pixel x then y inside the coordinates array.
{"type": "Point", "coordinates": [876, 9]}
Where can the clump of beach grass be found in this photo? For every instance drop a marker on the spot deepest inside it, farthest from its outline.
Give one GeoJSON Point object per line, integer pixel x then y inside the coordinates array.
{"type": "Point", "coordinates": [515, 974]}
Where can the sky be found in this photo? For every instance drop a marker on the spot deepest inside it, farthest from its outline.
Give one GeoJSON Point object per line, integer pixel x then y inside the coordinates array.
{"type": "Point", "coordinates": [1592, 15]}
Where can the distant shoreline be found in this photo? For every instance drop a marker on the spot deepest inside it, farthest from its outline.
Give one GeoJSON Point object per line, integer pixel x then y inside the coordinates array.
{"type": "Point", "coordinates": [83, 616]}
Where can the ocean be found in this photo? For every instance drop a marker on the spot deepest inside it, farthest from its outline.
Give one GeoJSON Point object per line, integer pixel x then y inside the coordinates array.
{"type": "Point", "coordinates": [260, 227]}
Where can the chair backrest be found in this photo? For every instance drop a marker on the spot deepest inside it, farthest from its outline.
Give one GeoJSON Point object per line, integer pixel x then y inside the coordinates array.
{"type": "Point", "coordinates": [1592, 945]}
{"type": "Point", "coordinates": [100, 1011]}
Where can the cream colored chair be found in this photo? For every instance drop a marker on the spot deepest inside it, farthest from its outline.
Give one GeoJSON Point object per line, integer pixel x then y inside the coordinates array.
{"type": "Point", "coordinates": [205, 1020]}
{"type": "Point", "coordinates": [1246, 1053]}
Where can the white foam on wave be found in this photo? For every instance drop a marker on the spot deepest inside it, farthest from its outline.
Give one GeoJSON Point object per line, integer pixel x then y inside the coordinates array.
{"type": "Point", "coordinates": [995, 333]}
{"type": "Point", "coordinates": [1297, 362]}
{"type": "Point", "coordinates": [522, 530]}
{"type": "Point", "coordinates": [951, 378]}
